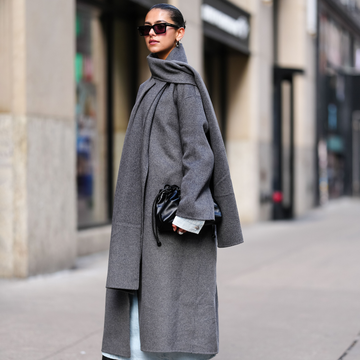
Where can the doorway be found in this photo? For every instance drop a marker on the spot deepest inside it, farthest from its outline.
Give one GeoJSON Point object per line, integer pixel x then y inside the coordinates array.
{"type": "Point", "coordinates": [283, 146]}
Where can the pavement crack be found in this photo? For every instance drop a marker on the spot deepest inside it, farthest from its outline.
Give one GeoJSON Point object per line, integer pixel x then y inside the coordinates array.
{"type": "Point", "coordinates": [347, 351]}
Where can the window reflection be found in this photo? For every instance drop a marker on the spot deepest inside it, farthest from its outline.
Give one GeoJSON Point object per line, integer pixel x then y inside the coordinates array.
{"type": "Point", "coordinates": [90, 119]}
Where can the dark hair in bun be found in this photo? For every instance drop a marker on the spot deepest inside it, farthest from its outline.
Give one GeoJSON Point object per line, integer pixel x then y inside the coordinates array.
{"type": "Point", "coordinates": [175, 14]}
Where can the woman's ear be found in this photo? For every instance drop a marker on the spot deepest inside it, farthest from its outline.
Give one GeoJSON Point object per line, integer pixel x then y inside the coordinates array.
{"type": "Point", "coordinates": [180, 34]}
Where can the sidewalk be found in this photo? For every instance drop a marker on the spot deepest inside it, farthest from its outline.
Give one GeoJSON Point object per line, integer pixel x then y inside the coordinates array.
{"type": "Point", "coordinates": [290, 292]}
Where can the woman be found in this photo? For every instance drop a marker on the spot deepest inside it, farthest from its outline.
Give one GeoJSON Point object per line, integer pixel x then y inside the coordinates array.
{"type": "Point", "coordinates": [167, 295]}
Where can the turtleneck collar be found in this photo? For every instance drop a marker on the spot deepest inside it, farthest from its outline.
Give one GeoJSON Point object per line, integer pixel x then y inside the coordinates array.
{"type": "Point", "coordinates": [174, 69]}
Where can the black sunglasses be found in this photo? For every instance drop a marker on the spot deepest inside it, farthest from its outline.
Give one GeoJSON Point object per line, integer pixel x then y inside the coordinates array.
{"type": "Point", "coordinates": [158, 28]}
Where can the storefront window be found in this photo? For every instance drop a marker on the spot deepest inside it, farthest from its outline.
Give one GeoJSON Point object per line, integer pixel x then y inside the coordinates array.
{"type": "Point", "coordinates": [91, 140]}
{"type": "Point", "coordinates": [335, 44]}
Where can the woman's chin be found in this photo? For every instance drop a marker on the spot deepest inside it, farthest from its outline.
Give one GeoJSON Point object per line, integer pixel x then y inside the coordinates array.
{"type": "Point", "coordinates": [155, 47]}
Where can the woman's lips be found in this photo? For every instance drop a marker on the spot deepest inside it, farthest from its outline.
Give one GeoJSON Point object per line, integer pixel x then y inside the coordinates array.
{"type": "Point", "coordinates": [153, 42]}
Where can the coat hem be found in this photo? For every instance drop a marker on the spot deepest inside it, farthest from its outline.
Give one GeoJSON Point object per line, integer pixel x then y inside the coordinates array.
{"type": "Point", "coordinates": [180, 351]}
{"type": "Point", "coordinates": [125, 355]}
{"type": "Point", "coordinates": [231, 244]}
{"type": "Point", "coordinates": [131, 291]}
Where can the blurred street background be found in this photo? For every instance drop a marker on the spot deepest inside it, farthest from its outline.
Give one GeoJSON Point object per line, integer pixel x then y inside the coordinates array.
{"type": "Point", "coordinates": [284, 77]}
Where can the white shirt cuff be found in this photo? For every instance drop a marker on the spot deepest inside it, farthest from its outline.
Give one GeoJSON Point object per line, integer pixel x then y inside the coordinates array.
{"type": "Point", "coordinates": [193, 226]}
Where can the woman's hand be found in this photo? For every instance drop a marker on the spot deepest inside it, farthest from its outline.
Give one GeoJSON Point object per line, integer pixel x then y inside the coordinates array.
{"type": "Point", "coordinates": [179, 231]}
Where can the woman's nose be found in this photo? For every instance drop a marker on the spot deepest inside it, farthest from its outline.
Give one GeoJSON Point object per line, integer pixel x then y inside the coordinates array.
{"type": "Point", "coordinates": [153, 32]}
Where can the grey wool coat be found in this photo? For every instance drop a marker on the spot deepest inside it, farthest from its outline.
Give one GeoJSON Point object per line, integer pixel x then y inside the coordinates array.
{"type": "Point", "coordinates": [172, 138]}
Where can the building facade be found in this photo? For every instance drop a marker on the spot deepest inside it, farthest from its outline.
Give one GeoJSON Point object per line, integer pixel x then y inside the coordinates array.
{"type": "Point", "coordinates": [69, 74]}
{"type": "Point", "coordinates": [338, 117]}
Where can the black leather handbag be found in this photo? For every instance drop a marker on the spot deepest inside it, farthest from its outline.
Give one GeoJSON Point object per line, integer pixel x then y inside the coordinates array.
{"type": "Point", "coordinates": [164, 210]}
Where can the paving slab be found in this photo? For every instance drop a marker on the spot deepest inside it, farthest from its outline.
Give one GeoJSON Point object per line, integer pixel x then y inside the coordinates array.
{"type": "Point", "coordinates": [353, 352]}
{"type": "Point", "coordinates": [51, 316]}
{"type": "Point", "coordinates": [295, 291]}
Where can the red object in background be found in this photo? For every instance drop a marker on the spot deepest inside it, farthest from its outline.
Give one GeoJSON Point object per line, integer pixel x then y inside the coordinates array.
{"type": "Point", "coordinates": [277, 196]}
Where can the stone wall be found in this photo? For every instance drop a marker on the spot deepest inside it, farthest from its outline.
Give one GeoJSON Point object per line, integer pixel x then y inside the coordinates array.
{"type": "Point", "coordinates": [37, 138]}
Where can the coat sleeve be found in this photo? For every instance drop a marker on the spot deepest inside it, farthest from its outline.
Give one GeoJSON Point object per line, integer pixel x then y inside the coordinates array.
{"type": "Point", "coordinates": [198, 159]}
